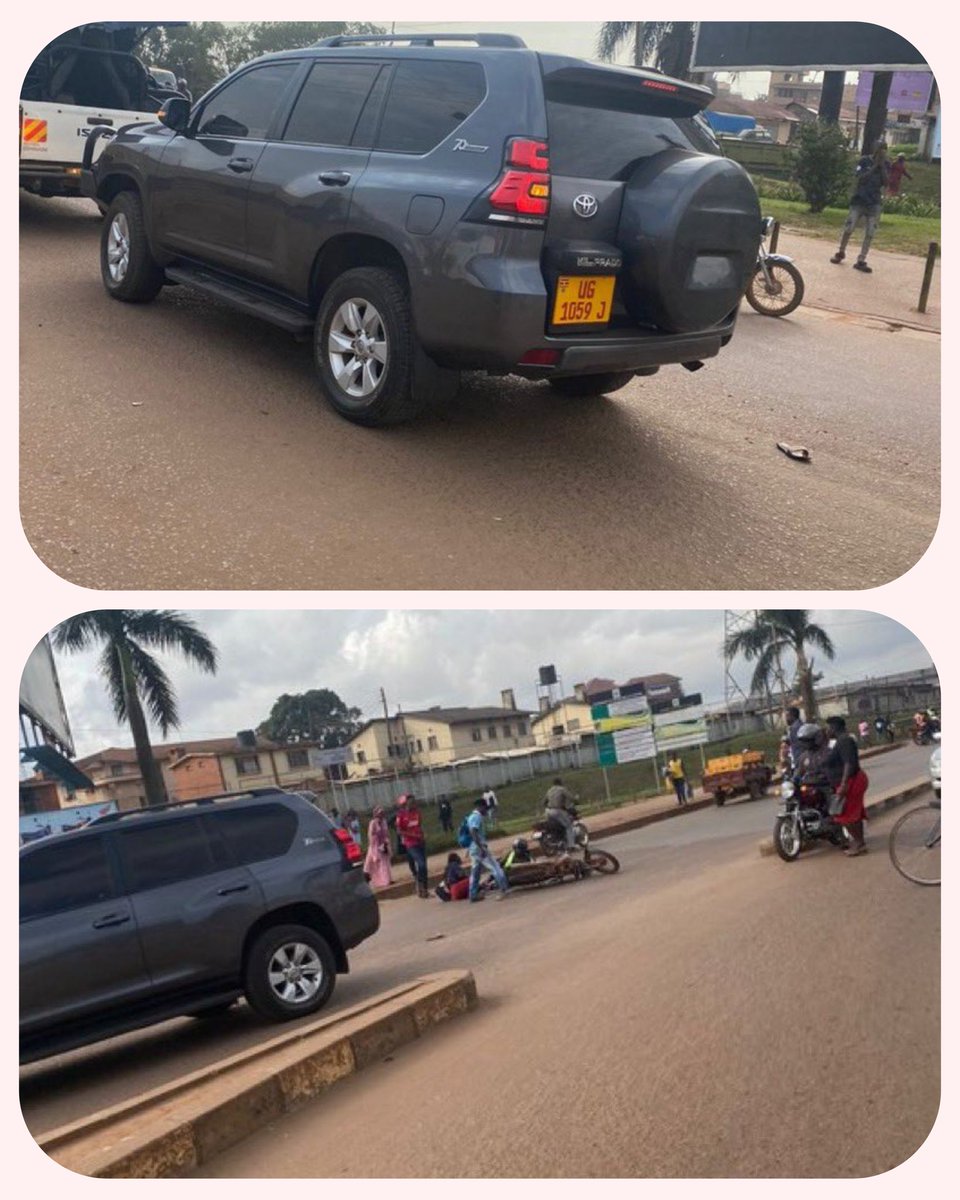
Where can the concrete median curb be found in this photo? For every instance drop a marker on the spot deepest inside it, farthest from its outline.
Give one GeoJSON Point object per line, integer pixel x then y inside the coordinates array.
{"type": "Point", "coordinates": [172, 1130]}
{"type": "Point", "coordinates": [891, 799]}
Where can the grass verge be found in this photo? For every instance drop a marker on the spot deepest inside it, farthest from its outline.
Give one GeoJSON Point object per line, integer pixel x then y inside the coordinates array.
{"type": "Point", "coordinates": [905, 235]}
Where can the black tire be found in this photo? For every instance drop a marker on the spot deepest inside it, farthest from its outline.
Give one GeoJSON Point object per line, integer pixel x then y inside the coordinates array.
{"type": "Point", "coordinates": [602, 861]}
{"type": "Point", "coordinates": [914, 845]}
{"type": "Point", "coordinates": [785, 277]}
{"type": "Point", "coordinates": [786, 841]}
{"type": "Point", "coordinates": [756, 789]}
{"type": "Point", "coordinates": [389, 396]}
{"type": "Point", "coordinates": [720, 799]}
{"type": "Point", "coordinates": [131, 274]}
{"type": "Point", "coordinates": [279, 945]}
{"type": "Point", "coordinates": [591, 385]}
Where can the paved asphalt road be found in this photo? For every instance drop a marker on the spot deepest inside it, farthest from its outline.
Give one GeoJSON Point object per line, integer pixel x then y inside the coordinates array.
{"type": "Point", "coordinates": [662, 1006]}
{"type": "Point", "coordinates": [180, 445]}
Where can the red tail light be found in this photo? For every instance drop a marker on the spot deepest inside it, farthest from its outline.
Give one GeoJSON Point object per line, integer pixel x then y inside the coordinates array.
{"type": "Point", "coordinates": [524, 187]}
{"type": "Point", "coordinates": [351, 851]}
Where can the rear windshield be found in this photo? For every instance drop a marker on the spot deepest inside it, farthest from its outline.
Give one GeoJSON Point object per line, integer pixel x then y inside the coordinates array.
{"type": "Point", "coordinates": [602, 143]}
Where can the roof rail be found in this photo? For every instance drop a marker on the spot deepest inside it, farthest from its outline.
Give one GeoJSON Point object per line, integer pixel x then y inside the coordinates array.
{"type": "Point", "coordinates": [501, 40]}
{"type": "Point", "coordinates": [155, 808]}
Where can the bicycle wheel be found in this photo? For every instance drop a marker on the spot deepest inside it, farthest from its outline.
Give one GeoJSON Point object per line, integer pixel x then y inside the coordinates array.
{"type": "Point", "coordinates": [915, 845]}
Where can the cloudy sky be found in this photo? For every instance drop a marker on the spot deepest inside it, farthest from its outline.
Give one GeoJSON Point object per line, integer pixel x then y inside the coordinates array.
{"type": "Point", "coordinates": [448, 657]}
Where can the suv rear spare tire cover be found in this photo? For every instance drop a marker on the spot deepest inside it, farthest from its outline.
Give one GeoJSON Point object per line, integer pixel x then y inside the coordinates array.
{"type": "Point", "coordinates": [689, 231]}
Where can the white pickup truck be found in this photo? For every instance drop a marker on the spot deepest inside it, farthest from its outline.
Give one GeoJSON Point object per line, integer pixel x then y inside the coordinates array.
{"type": "Point", "coordinates": [87, 78]}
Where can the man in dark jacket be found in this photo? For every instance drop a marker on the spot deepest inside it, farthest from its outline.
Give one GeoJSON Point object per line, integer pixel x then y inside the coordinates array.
{"type": "Point", "coordinates": [866, 202]}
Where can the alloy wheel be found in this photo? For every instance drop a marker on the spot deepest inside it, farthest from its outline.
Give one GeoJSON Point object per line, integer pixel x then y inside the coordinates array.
{"type": "Point", "coordinates": [357, 347]}
{"type": "Point", "coordinates": [295, 972]}
{"type": "Point", "coordinates": [118, 248]}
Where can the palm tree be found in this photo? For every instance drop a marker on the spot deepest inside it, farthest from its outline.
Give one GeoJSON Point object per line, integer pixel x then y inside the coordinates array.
{"type": "Point", "coordinates": [668, 44]}
{"type": "Point", "coordinates": [133, 675]}
{"type": "Point", "coordinates": [777, 631]}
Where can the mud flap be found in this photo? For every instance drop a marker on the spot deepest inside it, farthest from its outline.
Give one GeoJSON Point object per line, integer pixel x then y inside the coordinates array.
{"type": "Point", "coordinates": [430, 383]}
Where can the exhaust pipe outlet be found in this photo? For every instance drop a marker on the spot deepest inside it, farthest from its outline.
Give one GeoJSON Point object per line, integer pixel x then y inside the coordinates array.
{"type": "Point", "coordinates": [692, 366]}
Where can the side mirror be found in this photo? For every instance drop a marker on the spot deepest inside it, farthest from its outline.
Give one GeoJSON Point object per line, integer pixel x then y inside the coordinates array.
{"type": "Point", "coordinates": [175, 114]}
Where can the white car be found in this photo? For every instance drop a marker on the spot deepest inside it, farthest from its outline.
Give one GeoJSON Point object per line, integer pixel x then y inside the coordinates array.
{"type": "Point", "coordinates": [935, 769]}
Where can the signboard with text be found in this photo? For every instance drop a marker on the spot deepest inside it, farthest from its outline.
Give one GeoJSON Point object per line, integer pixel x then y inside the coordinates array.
{"type": "Point", "coordinates": [680, 727]}
{"type": "Point", "coordinates": [624, 731]}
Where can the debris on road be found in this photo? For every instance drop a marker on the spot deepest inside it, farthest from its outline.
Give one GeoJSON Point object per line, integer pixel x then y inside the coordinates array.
{"type": "Point", "coordinates": [799, 453]}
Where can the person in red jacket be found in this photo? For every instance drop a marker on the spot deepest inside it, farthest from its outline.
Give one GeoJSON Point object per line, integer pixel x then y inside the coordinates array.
{"type": "Point", "coordinates": [413, 840]}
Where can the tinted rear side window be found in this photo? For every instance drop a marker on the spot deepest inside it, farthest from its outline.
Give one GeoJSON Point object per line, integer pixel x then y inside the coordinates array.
{"type": "Point", "coordinates": [245, 108]}
{"type": "Point", "coordinates": [166, 853]}
{"type": "Point", "coordinates": [255, 834]}
{"type": "Point", "coordinates": [66, 874]}
{"type": "Point", "coordinates": [427, 101]}
{"type": "Point", "coordinates": [329, 106]}
{"type": "Point", "coordinates": [603, 143]}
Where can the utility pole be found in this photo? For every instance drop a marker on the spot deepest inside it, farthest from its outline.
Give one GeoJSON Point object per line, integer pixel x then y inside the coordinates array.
{"type": "Point", "coordinates": [734, 620]}
{"type": "Point", "coordinates": [386, 716]}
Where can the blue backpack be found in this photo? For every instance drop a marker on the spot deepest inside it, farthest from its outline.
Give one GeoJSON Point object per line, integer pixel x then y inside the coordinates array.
{"type": "Point", "coordinates": [464, 836]}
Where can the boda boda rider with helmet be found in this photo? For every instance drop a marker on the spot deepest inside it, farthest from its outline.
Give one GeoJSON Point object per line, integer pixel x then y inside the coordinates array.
{"type": "Point", "coordinates": [559, 806]}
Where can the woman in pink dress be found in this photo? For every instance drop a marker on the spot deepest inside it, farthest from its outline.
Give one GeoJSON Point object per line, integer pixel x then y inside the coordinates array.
{"type": "Point", "coordinates": [376, 865]}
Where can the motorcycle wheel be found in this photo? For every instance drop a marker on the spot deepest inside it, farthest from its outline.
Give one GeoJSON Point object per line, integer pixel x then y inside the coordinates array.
{"type": "Point", "coordinates": [782, 296]}
{"type": "Point", "coordinates": [786, 839]}
{"type": "Point", "coordinates": [600, 860]}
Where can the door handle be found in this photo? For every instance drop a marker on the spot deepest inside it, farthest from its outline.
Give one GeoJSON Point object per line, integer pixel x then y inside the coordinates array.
{"type": "Point", "coordinates": [238, 887]}
{"type": "Point", "coordinates": [335, 178]}
{"type": "Point", "coordinates": [240, 165]}
{"type": "Point", "coordinates": [110, 920]}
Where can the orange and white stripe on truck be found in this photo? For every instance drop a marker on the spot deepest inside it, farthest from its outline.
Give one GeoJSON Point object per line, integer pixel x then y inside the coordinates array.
{"type": "Point", "coordinates": [34, 131]}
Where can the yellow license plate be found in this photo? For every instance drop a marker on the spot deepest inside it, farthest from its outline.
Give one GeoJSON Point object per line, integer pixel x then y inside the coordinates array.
{"type": "Point", "coordinates": [583, 299]}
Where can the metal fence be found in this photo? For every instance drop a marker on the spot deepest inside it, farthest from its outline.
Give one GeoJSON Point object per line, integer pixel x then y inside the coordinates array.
{"type": "Point", "coordinates": [472, 775]}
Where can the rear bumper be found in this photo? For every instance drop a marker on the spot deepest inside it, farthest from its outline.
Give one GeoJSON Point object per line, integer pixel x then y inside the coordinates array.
{"type": "Point", "coordinates": [492, 311]}
{"type": "Point", "coordinates": [51, 179]}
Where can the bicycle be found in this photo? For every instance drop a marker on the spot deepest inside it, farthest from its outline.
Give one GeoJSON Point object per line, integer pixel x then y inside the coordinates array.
{"type": "Point", "coordinates": [915, 844]}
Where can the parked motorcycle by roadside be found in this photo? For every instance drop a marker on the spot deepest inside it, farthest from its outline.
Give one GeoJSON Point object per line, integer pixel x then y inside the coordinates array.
{"type": "Point", "coordinates": [550, 837]}
{"type": "Point", "coordinates": [776, 286]}
{"type": "Point", "coordinates": [804, 817]}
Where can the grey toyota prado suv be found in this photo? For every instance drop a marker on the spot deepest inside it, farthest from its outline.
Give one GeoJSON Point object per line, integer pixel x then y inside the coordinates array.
{"type": "Point", "coordinates": [155, 913]}
{"type": "Point", "coordinates": [451, 203]}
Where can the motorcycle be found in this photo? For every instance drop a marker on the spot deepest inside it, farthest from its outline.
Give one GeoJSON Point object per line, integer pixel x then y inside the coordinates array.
{"type": "Point", "coordinates": [926, 735]}
{"type": "Point", "coordinates": [550, 836]}
{"type": "Point", "coordinates": [776, 286]}
{"type": "Point", "coordinates": [804, 817]}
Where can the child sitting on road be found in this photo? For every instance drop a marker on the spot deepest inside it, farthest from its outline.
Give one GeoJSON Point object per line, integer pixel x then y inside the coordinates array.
{"type": "Point", "coordinates": [456, 882]}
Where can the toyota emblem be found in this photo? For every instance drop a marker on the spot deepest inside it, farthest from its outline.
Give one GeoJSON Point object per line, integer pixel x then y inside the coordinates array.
{"type": "Point", "coordinates": [585, 205]}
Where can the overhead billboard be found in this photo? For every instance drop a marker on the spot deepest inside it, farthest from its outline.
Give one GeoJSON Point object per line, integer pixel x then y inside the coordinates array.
{"type": "Point", "coordinates": [910, 91]}
{"type": "Point", "coordinates": [807, 45]}
{"type": "Point", "coordinates": [41, 698]}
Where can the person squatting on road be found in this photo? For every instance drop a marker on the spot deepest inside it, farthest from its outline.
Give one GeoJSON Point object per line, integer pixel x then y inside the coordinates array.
{"type": "Point", "coordinates": [849, 781]}
{"type": "Point", "coordinates": [480, 855]}
{"type": "Point", "coordinates": [376, 865]}
{"type": "Point", "coordinates": [558, 805]}
{"type": "Point", "coordinates": [410, 829]}
{"type": "Point", "coordinates": [866, 202]}
{"type": "Point", "coordinates": [456, 883]}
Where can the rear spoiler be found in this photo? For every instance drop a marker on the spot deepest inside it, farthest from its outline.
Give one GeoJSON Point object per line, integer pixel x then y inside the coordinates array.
{"type": "Point", "coordinates": [571, 81]}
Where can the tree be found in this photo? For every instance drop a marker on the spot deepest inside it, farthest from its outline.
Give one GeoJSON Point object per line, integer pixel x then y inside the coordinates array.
{"type": "Point", "coordinates": [775, 632]}
{"type": "Point", "coordinates": [668, 45]}
{"type": "Point", "coordinates": [822, 164]}
{"type": "Point", "coordinates": [203, 52]}
{"type": "Point", "coordinates": [133, 676]}
{"type": "Point", "coordinates": [318, 715]}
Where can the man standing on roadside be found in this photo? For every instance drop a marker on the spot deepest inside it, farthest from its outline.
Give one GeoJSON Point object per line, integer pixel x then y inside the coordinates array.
{"type": "Point", "coordinates": [866, 202]}
{"type": "Point", "coordinates": [492, 802]}
{"type": "Point", "coordinates": [793, 727]}
{"type": "Point", "coordinates": [410, 830]}
{"type": "Point", "coordinates": [678, 777]}
{"type": "Point", "coordinates": [480, 855]}
{"type": "Point", "coordinates": [445, 813]}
